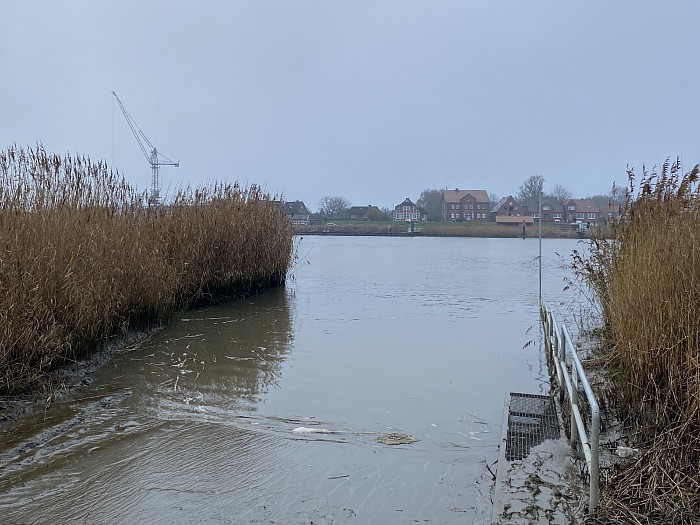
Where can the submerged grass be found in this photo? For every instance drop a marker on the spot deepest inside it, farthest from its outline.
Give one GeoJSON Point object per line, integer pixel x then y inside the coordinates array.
{"type": "Point", "coordinates": [83, 257]}
{"type": "Point", "coordinates": [646, 279]}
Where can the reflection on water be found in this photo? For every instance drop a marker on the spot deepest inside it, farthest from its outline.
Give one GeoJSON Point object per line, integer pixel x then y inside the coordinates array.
{"type": "Point", "coordinates": [226, 357]}
{"type": "Point", "coordinates": [269, 410]}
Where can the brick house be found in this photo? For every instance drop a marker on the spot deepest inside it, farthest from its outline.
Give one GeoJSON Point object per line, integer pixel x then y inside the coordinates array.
{"type": "Point", "coordinates": [408, 211]}
{"type": "Point", "coordinates": [465, 205]}
{"type": "Point", "coordinates": [509, 211]}
{"type": "Point", "coordinates": [583, 210]}
{"type": "Point", "coordinates": [610, 213]}
{"type": "Point", "coordinates": [552, 209]}
{"type": "Point", "coordinates": [507, 207]}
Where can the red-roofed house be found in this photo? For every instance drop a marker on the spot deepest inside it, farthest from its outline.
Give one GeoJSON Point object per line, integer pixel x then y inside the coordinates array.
{"type": "Point", "coordinates": [582, 210]}
{"type": "Point", "coordinates": [465, 205]}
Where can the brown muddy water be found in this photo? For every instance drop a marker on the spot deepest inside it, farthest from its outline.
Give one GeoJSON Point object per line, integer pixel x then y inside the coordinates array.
{"type": "Point", "coordinates": [272, 409]}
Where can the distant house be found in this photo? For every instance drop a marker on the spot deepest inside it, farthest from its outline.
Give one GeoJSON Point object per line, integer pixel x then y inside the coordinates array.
{"type": "Point", "coordinates": [610, 213]}
{"type": "Point", "coordinates": [465, 205]}
{"type": "Point", "coordinates": [364, 213]}
{"type": "Point", "coordinates": [509, 211]}
{"type": "Point", "coordinates": [552, 209]}
{"type": "Point", "coordinates": [583, 210]}
{"type": "Point", "coordinates": [408, 211]}
{"type": "Point", "coordinates": [297, 212]}
{"type": "Point", "coordinates": [507, 207]}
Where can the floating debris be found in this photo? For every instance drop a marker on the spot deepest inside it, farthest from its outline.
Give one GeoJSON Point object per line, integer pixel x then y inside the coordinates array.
{"type": "Point", "coordinates": [306, 430]}
{"type": "Point", "coordinates": [396, 438]}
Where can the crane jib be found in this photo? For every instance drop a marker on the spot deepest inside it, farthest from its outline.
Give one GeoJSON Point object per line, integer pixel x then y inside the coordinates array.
{"type": "Point", "coordinates": [154, 158]}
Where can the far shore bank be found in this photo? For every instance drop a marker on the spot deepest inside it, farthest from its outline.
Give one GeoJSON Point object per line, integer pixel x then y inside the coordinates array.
{"type": "Point", "coordinates": [403, 230]}
{"type": "Point", "coordinates": [483, 229]}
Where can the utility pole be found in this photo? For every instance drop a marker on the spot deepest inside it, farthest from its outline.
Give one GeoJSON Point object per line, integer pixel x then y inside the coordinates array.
{"type": "Point", "coordinates": [539, 216]}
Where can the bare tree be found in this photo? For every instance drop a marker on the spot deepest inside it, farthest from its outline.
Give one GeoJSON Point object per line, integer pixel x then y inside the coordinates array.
{"type": "Point", "coordinates": [431, 202]}
{"type": "Point", "coordinates": [493, 199]}
{"type": "Point", "coordinates": [333, 207]}
{"type": "Point", "coordinates": [531, 187]}
{"type": "Point", "coordinates": [560, 193]}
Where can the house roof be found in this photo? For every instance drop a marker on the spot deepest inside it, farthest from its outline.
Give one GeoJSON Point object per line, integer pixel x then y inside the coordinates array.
{"type": "Point", "coordinates": [406, 202]}
{"type": "Point", "coordinates": [295, 208]}
{"type": "Point", "coordinates": [584, 205]}
{"type": "Point", "coordinates": [532, 204]}
{"type": "Point", "coordinates": [610, 211]}
{"type": "Point", "coordinates": [500, 203]}
{"type": "Point", "coordinates": [358, 210]}
{"type": "Point", "coordinates": [457, 195]}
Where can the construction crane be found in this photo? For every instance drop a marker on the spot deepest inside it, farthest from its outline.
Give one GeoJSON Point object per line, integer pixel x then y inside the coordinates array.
{"type": "Point", "coordinates": [154, 158]}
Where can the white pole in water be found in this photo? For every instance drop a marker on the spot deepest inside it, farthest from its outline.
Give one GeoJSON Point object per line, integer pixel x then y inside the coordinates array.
{"type": "Point", "coordinates": [539, 206]}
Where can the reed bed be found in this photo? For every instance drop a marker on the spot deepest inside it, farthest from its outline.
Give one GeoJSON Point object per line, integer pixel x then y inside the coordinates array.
{"type": "Point", "coordinates": [84, 258]}
{"type": "Point", "coordinates": [646, 279]}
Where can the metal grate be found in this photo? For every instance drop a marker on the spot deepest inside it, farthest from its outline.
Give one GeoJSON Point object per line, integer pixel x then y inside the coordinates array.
{"type": "Point", "coordinates": [532, 418]}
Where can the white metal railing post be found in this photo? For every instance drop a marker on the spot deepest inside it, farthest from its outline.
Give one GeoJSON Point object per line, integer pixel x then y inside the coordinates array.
{"type": "Point", "coordinates": [594, 466]}
{"type": "Point", "coordinates": [562, 347]}
{"type": "Point", "coordinates": [574, 406]}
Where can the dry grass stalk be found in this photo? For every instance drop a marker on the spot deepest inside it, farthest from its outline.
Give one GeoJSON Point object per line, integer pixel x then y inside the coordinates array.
{"type": "Point", "coordinates": [647, 281]}
{"type": "Point", "coordinates": [82, 257]}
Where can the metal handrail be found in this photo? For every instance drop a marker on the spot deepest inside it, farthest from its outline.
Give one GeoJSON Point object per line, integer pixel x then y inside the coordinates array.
{"type": "Point", "coordinates": [559, 345]}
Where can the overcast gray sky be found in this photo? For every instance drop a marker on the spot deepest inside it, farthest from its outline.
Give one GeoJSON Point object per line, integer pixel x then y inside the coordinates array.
{"type": "Point", "coordinates": [371, 100]}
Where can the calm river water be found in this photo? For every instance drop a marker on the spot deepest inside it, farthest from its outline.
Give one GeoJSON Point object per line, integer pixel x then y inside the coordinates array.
{"type": "Point", "coordinates": [268, 410]}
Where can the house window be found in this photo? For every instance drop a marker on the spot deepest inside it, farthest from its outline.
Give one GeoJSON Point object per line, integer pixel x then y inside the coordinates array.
{"type": "Point", "coordinates": [579, 216]}
{"type": "Point", "coordinates": [468, 216]}
{"type": "Point", "coordinates": [557, 215]}
{"type": "Point", "coordinates": [546, 208]}
{"type": "Point", "coordinates": [535, 215]}
{"type": "Point", "coordinates": [571, 208]}
{"type": "Point", "coordinates": [591, 216]}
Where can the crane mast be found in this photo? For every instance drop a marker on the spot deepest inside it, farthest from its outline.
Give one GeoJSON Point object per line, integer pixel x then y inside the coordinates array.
{"type": "Point", "coordinates": [154, 158]}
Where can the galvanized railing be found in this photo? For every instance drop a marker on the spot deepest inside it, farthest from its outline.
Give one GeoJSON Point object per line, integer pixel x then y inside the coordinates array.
{"type": "Point", "coordinates": [561, 354]}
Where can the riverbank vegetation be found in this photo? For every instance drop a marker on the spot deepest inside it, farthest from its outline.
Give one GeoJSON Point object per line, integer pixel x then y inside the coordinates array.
{"type": "Point", "coordinates": [646, 280]}
{"type": "Point", "coordinates": [83, 257]}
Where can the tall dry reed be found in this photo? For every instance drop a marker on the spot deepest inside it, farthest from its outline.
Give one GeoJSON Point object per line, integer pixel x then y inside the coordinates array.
{"type": "Point", "coordinates": [82, 257]}
{"type": "Point", "coordinates": [647, 281]}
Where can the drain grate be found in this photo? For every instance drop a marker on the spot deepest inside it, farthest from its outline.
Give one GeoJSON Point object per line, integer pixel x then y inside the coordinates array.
{"type": "Point", "coordinates": [532, 418]}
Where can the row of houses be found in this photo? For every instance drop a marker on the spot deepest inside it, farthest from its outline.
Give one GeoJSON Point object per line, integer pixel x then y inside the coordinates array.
{"type": "Point", "coordinates": [509, 211]}
{"type": "Point", "coordinates": [474, 205]}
